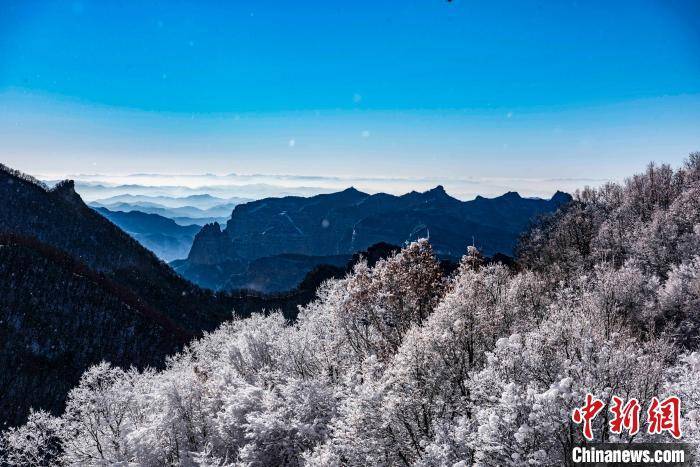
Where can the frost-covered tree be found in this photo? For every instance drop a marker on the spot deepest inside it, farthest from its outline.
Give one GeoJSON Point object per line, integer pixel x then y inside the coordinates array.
{"type": "Point", "coordinates": [683, 381]}
{"type": "Point", "coordinates": [37, 443]}
{"type": "Point", "coordinates": [679, 301]}
{"type": "Point", "coordinates": [382, 303]}
{"type": "Point", "coordinates": [96, 418]}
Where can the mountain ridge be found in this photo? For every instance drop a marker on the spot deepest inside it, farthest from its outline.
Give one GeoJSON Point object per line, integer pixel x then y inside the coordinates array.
{"type": "Point", "coordinates": [350, 220]}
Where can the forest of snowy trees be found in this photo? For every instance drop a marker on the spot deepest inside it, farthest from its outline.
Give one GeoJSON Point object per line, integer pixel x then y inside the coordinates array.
{"type": "Point", "coordinates": [398, 365]}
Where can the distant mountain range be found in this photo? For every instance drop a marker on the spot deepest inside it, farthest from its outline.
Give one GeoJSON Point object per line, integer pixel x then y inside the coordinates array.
{"type": "Point", "coordinates": [166, 225]}
{"type": "Point", "coordinates": [163, 236]}
{"type": "Point", "coordinates": [200, 201]}
{"type": "Point", "coordinates": [183, 215]}
{"type": "Point", "coordinates": [95, 190]}
{"type": "Point", "coordinates": [267, 231]}
{"type": "Point", "coordinates": [163, 212]}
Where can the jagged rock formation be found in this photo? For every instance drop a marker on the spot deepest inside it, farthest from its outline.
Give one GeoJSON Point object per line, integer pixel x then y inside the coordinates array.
{"type": "Point", "coordinates": [212, 246]}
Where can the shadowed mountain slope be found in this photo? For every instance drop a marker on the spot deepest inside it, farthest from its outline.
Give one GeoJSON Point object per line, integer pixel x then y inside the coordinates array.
{"type": "Point", "coordinates": [75, 289]}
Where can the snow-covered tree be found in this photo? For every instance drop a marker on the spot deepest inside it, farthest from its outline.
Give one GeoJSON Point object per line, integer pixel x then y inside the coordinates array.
{"type": "Point", "coordinates": [36, 443]}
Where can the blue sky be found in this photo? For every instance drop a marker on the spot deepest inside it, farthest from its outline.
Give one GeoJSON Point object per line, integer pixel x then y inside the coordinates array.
{"type": "Point", "coordinates": [556, 90]}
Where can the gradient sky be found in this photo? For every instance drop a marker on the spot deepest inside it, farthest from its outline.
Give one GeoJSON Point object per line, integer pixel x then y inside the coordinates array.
{"type": "Point", "coordinates": [464, 89]}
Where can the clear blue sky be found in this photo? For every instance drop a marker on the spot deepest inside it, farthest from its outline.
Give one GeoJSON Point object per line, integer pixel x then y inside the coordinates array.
{"type": "Point", "coordinates": [461, 88]}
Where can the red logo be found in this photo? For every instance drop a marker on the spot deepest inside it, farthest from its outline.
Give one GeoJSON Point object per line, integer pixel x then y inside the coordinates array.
{"type": "Point", "coordinates": [626, 416]}
{"type": "Point", "coordinates": [665, 416]}
{"type": "Point", "coordinates": [586, 414]}
{"type": "Point", "coordinates": [662, 416]}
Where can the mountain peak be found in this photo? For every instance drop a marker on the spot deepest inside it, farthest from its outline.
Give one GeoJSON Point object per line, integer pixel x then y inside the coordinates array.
{"type": "Point", "coordinates": [351, 190]}
{"type": "Point", "coordinates": [349, 194]}
{"type": "Point", "coordinates": [65, 189]}
{"type": "Point", "coordinates": [211, 246]}
{"type": "Point", "coordinates": [64, 186]}
{"type": "Point", "coordinates": [210, 229]}
{"type": "Point", "coordinates": [438, 194]}
{"type": "Point", "coordinates": [511, 195]}
{"type": "Point", "coordinates": [560, 197]}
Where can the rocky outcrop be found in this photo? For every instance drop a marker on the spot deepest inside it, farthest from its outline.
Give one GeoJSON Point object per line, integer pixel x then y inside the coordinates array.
{"type": "Point", "coordinates": [211, 246]}
{"type": "Point", "coordinates": [66, 191]}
